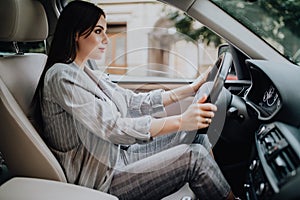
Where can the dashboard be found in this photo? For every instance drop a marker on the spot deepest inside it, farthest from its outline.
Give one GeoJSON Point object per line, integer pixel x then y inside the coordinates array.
{"type": "Point", "coordinates": [270, 102]}
{"type": "Point", "coordinates": [273, 94]}
{"type": "Point", "coordinates": [274, 170]}
{"type": "Point", "coordinates": [266, 102]}
{"type": "Point", "coordinates": [263, 96]}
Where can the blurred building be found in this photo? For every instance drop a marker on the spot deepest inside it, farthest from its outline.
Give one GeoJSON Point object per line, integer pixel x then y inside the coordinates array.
{"type": "Point", "coordinates": [144, 42]}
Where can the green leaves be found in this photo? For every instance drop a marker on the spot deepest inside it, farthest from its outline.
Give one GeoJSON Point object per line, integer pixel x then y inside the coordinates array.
{"type": "Point", "coordinates": [185, 25]}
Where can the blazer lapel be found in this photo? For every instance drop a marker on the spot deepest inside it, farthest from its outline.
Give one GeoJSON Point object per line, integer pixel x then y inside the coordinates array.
{"type": "Point", "coordinates": [104, 90]}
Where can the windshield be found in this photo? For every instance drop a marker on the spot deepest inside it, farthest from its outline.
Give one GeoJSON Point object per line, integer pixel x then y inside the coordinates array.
{"type": "Point", "coordinates": [275, 21]}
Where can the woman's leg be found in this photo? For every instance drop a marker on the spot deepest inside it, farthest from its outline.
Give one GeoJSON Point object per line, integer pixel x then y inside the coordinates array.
{"type": "Point", "coordinates": [140, 151]}
{"type": "Point", "coordinates": [164, 173]}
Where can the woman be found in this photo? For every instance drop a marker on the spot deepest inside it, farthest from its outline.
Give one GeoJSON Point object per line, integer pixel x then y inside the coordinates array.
{"type": "Point", "coordinates": [89, 121]}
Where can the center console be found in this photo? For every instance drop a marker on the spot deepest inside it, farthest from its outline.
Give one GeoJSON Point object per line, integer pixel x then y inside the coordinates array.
{"type": "Point", "coordinates": [274, 172]}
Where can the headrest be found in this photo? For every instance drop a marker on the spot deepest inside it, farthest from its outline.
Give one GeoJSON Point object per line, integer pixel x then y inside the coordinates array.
{"type": "Point", "coordinates": [22, 21]}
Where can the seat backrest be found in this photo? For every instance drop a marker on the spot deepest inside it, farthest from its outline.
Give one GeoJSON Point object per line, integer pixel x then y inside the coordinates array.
{"type": "Point", "coordinates": [25, 152]}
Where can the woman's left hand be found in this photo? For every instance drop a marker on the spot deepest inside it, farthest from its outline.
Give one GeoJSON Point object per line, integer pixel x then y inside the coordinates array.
{"type": "Point", "coordinates": [200, 80]}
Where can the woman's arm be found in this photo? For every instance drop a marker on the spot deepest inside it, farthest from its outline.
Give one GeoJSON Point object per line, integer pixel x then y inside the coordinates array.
{"type": "Point", "coordinates": [177, 94]}
{"type": "Point", "coordinates": [137, 104]}
{"type": "Point", "coordinates": [197, 116]}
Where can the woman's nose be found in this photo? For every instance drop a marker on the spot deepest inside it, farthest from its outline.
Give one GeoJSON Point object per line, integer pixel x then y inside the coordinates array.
{"type": "Point", "coordinates": [105, 39]}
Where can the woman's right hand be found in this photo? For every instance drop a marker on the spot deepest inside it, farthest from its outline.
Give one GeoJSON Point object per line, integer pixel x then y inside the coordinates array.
{"type": "Point", "coordinates": [198, 115]}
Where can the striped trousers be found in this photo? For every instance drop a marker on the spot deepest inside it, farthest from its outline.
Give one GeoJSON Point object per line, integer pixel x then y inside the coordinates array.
{"type": "Point", "coordinates": [163, 173]}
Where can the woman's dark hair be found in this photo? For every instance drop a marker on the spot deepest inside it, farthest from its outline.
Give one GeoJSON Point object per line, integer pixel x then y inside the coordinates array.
{"type": "Point", "coordinates": [78, 18]}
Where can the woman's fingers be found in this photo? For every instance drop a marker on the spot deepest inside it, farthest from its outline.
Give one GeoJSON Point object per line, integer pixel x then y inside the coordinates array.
{"type": "Point", "coordinates": [202, 99]}
{"type": "Point", "coordinates": [207, 107]}
{"type": "Point", "coordinates": [204, 117]}
{"type": "Point", "coordinates": [198, 115]}
{"type": "Point", "coordinates": [207, 114]}
{"type": "Point", "coordinates": [200, 80]}
{"type": "Point", "coordinates": [207, 120]}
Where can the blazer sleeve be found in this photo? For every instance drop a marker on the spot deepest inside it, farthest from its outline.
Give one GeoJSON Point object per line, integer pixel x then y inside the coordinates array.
{"type": "Point", "coordinates": [140, 103]}
{"type": "Point", "coordinates": [69, 90]}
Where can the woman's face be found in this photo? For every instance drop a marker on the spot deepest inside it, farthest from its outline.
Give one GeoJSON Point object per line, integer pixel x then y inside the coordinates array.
{"type": "Point", "coordinates": [93, 46]}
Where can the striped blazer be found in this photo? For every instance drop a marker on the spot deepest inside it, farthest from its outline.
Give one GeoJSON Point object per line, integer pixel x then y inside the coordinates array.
{"type": "Point", "coordinates": [87, 118]}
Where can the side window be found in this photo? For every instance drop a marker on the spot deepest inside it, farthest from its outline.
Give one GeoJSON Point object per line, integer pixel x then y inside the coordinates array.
{"type": "Point", "coordinates": [116, 58]}
{"type": "Point", "coordinates": [149, 39]}
{"type": "Point", "coordinates": [24, 47]}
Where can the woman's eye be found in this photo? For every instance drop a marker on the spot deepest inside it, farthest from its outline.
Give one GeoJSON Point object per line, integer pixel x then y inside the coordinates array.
{"type": "Point", "coordinates": [98, 31]}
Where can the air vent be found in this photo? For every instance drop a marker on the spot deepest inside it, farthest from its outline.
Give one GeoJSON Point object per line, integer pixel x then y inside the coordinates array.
{"type": "Point", "coordinates": [280, 156]}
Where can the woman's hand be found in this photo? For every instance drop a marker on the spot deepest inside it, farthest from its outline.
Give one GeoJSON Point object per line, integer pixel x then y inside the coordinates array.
{"type": "Point", "coordinates": [200, 80]}
{"type": "Point", "coordinates": [198, 115]}
{"type": "Point", "coordinates": [182, 92]}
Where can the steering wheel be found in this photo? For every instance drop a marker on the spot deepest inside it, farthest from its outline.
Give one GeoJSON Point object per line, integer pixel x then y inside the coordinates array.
{"type": "Point", "coordinates": [214, 87]}
{"type": "Point", "coordinates": [218, 74]}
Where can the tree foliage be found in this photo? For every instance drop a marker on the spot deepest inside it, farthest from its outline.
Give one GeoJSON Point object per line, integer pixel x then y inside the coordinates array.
{"type": "Point", "coordinates": [275, 20]}
{"type": "Point", "coordinates": [185, 25]}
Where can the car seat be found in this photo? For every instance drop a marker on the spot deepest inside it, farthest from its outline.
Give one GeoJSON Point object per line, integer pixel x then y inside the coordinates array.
{"type": "Point", "coordinates": [24, 151]}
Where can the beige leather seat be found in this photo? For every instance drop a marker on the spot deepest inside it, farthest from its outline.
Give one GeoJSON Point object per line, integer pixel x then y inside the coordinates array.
{"type": "Point", "coordinates": [23, 149]}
